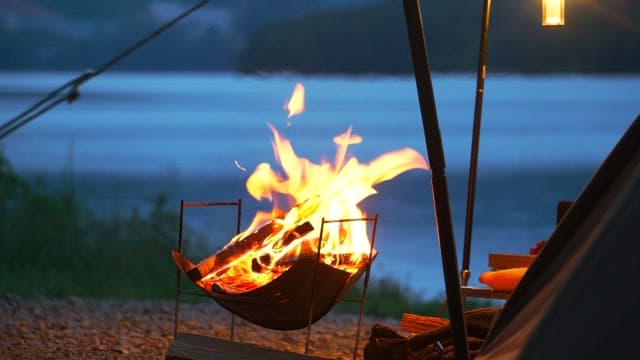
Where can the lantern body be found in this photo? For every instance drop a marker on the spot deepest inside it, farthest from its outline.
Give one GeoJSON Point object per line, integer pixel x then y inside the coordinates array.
{"type": "Point", "coordinates": [552, 12]}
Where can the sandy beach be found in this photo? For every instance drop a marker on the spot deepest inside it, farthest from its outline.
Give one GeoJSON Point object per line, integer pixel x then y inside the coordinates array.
{"type": "Point", "coordinates": [75, 328]}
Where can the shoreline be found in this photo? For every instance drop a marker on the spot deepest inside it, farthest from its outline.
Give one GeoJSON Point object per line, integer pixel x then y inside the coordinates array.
{"type": "Point", "coordinates": [74, 327]}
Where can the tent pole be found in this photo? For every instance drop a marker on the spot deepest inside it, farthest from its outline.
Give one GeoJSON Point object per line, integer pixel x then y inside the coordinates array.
{"type": "Point", "coordinates": [475, 141]}
{"type": "Point", "coordinates": [435, 152]}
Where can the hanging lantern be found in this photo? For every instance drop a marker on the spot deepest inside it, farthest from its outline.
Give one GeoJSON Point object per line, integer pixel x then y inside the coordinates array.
{"type": "Point", "coordinates": [552, 12]}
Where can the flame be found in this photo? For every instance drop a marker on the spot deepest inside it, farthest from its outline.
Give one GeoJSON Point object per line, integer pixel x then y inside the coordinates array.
{"type": "Point", "coordinates": [313, 192]}
{"type": "Point", "coordinates": [295, 106]}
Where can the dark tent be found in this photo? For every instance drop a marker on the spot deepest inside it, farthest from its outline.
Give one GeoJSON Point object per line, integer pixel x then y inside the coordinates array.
{"type": "Point", "coordinates": [580, 299]}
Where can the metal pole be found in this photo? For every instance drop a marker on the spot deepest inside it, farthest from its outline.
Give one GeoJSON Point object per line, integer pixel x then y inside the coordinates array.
{"type": "Point", "coordinates": [176, 317]}
{"type": "Point", "coordinates": [365, 286]}
{"type": "Point", "coordinates": [314, 283]}
{"type": "Point", "coordinates": [475, 141]}
{"type": "Point", "coordinates": [233, 316]}
{"type": "Point", "coordinates": [435, 151]}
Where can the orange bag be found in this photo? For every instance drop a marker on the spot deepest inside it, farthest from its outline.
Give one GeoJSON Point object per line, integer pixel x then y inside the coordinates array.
{"type": "Point", "coordinates": [503, 280]}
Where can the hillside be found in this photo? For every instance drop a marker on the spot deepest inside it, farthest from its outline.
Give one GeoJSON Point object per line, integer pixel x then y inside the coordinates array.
{"type": "Point", "coordinates": [328, 36]}
{"type": "Point", "coordinates": [600, 37]}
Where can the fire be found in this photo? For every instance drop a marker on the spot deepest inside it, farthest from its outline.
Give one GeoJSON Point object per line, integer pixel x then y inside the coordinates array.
{"type": "Point", "coordinates": [295, 105]}
{"type": "Point", "coordinates": [312, 192]}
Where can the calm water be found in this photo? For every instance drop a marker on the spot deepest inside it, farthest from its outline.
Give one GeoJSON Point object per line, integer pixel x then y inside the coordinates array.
{"type": "Point", "coordinates": [131, 136]}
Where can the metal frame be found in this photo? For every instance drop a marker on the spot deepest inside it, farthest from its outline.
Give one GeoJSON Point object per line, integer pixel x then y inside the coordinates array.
{"type": "Point", "coordinates": [365, 286]}
{"type": "Point", "coordinates": [183, 205]}
{"type": "Point", "coordinates": [361, 300]}
{"type": "Point", "coordinates": [475, 141]}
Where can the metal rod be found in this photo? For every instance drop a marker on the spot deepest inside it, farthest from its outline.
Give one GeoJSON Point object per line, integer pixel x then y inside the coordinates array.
{"type": "Point", "coordinates": [176, 317]}
{"type": "Point", "coordinates": [183, 205]}
{"type": "Point", "coordinates": [313, 287]}
{"type": "Point", "coordinates": [475, 141]}
{"type": "Point", "coordinates": [17, 122]}
{"type": "Point", "coordinates": [22, 119]}
{"type": "Point", "coordinates": [238, 219]}
{"type": "Point", "coordinates": [435, 151]}
{"type": "Point", "coordinates": [366, 283]}
{"type": "Point", "coordinates": [350, 220]}
{"type": "Point", "coordinates": [203, 204]}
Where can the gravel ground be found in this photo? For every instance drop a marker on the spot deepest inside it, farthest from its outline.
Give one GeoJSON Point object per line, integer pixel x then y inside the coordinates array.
{"type": "Point", "coordinates": [74, 328]}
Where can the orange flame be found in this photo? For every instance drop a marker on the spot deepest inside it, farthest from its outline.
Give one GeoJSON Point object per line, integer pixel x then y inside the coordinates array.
{"type": "Point", "coordinates": [295, 106]}
{"type": "Point", "coordinates": [314, 192]}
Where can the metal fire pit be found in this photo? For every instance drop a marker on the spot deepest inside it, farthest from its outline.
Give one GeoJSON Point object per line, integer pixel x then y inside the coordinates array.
{"type": "Point", "coordinates": [291, 301]}
{"type": "Point", "coordinates": [297, 298]}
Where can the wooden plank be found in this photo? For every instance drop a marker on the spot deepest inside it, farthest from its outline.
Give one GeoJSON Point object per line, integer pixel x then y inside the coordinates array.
{"type": "Point", "coordinates": [198, 347]}
{"type": "Point", "coordinates": [413, 323]}
{"type": "Point", "coordinates": [481, 292]}
{"type": "Point", "coordinates": [507, 261]}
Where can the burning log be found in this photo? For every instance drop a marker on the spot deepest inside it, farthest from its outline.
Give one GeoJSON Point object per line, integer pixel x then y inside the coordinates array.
{"type": "Point", "coordinates": [251, 242]}
{"type": "Point", "coordinates": [210, 264]}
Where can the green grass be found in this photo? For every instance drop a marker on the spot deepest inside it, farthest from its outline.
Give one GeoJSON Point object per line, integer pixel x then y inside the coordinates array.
{"type": "Point", "coordinates": [53, 246]}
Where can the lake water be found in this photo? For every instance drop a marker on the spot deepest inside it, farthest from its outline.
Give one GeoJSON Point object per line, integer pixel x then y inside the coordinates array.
{"type": "Point", "coordinates": [131, 136]}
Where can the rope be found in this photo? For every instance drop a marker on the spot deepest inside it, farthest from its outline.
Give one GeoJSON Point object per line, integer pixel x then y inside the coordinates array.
{"type": "Point", "coordinates": [70, 92]}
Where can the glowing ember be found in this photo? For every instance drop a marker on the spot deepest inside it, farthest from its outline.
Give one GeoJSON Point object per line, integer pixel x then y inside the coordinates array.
{"type": "Point", "coordinates": [311, 192]}
{"type": "Point", "coordinates": [295, 106]}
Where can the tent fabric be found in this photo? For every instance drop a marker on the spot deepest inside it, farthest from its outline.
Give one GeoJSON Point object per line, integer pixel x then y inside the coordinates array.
{"type": "Point", "coordinates": [579, 299]}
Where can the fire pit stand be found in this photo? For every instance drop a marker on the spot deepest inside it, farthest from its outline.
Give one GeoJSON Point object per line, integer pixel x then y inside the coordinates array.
{"type": "Point", "coordinates": [305, 306]}
{"type": "Point", "coordinates": [179, 291]}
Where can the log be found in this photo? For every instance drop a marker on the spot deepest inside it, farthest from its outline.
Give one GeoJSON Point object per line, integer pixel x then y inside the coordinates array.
{"type": "Point", "coordinates": [484, 292]}
{"type": "Point", "coordinates": [198, 347]}
{"type": "Point", "coordinates": [434, 343]}
{"type": "Point", "coordinates": [251, 242]}
{"type": "Point", "coordinates": [506, 261]}
{"type": "Point", "coordinates": [413, 323]}
{"type": "Point", "coordinates": [479, 321]}
{"type": "Point", "coordinates": [385, 344]}
{"type": "Point", "coordinates": [212, 263]}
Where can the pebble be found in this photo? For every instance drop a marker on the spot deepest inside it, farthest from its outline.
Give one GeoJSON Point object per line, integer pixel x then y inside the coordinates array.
{"type": "Point", "coordinates": [77, 328]}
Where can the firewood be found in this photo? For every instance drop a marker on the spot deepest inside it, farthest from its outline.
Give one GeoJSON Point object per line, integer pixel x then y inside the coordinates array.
{"type": "Point", "coordinates": [384, 343]}
{"type": "Point", "coordinates": [381, 331]}
{"type": "Point", "coordinates": [507, 261]}
{"type": "Point", "coordinates": [413, 323]}
{"type": "Point", "coordinates": [435, 343]}
{"type": "Point", "coordinates": [479, 321]}
{"type": "Point", "coordinates": [251, 242]}
{"type": "Point", "coordinates": [424, 339]}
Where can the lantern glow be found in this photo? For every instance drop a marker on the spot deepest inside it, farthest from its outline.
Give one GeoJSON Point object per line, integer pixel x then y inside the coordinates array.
{"type": "Point", "coordinates": [552, 12]}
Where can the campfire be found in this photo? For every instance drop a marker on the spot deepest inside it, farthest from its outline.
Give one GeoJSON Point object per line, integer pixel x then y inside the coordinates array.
{"type": "Point", "coordinates": [315, 236]}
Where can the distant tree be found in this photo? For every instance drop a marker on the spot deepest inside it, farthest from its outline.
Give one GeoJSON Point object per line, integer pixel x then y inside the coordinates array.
{"type": "Point", "coordinates": [599, 37]}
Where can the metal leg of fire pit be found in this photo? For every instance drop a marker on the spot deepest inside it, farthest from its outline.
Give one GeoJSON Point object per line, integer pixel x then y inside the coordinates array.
{"type": "Point", "coordinates": [365, 285]}
{"type": "Point", "coordinates": [233, 316]}
{"type": "Point", "coordinates": [183, 205]}
{"type": "Point", "coordinates": [313, 288]}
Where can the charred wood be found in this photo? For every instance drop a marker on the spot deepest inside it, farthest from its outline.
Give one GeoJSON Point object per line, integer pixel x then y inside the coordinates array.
{"type": "Point", "coordinates": [249, 243]}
